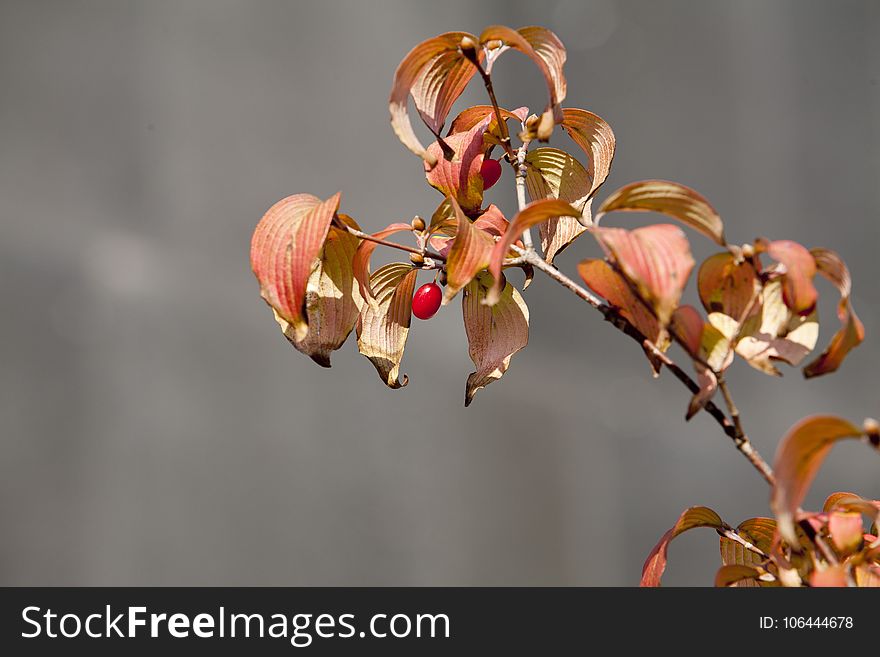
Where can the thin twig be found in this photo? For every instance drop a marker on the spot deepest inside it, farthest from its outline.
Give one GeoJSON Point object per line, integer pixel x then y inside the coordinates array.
{"type": "Point", "coordinates": [394, 245]}
{"type": "Point", "coordinates": [731, 406]}
{"type": "Point", "coordinates": [521, 169]}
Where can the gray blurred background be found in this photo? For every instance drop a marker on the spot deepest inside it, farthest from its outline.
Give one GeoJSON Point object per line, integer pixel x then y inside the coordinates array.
{"type": "Point", "coordinates": [155, 426]}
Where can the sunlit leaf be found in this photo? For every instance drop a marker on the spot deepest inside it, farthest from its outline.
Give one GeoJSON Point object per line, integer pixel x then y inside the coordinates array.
{"type": "Point", "coordinates": [830, 576]}
{"type": "Point", "coordinates": [669, 198]}
{"type": "Point", "coordinates": [655, 564]}
{"type": "Point", "coordinates": [709, 348]}
{"type": "Point", "coordinates": [285, 247]}
{"type": "Point", "coordinates": [361, 261]}
{"type": "Point", "coordinates": [608, 284]}
{"type": "Point", "coordinates": [435, 72]}
{"type": "Point", "coordinates": [852, 333]}
{"type": "Point", "coordinates": [656, 259]}
{"type": "Point", "coordinates": [494, 333]}
{"type": "Point", "coordinates": [759, 533]}
{"type": "Point", "coordinates": [532, 214]}
{"type": "Point", "coordinates": [798, 291]}
{"type": "Point", "coordinates": [383, 324]}
{"type": "Point", "coordinates": [595, 137]}
{"type": "Point", "coordinates": [472, 116]}
{"type": "Point", "coordinates": [867, 575]}
{"type": "Point", "coordinates": [728, 286]}
{"type": "Point", "coordinates": [798, 459]}
{"type": "Point", "coordinates": [492, 221]}
{"type": "Point", "coordinates": [776, 334]}
{"type": "Point", "coordinates": [549, 59]}
{"type": "Point", "coordinates": [733, 574]}
{"type": "Point", "coordinates": [552, 173]}
{"type": "Point", "coordinates": [846, 530]}
{"type": "Point", "coordinates": [469, 253]}
{"type": "Point", "coordinates": [459, 176]}
{"type": "Point", "coordinates": [332, 300]}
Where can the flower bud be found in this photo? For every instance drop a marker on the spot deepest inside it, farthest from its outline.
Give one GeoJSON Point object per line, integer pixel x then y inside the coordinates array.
{"type": "Point", "coordinates": [418, 224]}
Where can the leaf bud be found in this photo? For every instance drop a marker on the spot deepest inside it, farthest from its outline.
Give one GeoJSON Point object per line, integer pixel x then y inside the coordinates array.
{"type": "Point", "coordinates": [417, 258]}
{"type": "Point", "coordinates": [468, 48]}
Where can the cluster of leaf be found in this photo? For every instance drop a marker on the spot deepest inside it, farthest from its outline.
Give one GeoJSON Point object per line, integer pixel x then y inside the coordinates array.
{"type": "Point", "coordinates": [797, 548]}
{"type": "Point", "coordinates": [759, 299]}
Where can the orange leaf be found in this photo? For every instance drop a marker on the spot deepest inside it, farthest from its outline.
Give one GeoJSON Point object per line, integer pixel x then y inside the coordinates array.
{"type": "Point", "coordinates": [671, 199]}
{"type": "Point", "coordinates": [495, 333]}
{"type": "Point", "coordinates": [852, 333]}
{"type": "Point", "coordinates": [549, 59]}
{"type": "Point", "coordinates": [655, 259]}
{"type": "Point", "coordinates": [435, 72]}
{"type": "Point", "coordinates": [655, 564]}
{"type": "Point", "coordinates": [284, 249]}
{"type": "Point", "coordinates": [361, 261]}
{"type": "Point", "coordinates": [469, 253]}
{"type": "Point", "coordinates": [471, 116]}
{"type": "Point", "coordinates": [594, 135]}
{"type": "Point", "coordinates": [459, 176]}
{"type": "Point", "coordinates": [332, 299]}
{"type": "Point", "coordinates": [733, 574]}
{"type": "Point", "coordinates": [845, 528]}
{"type": "Point", "coordinates": [799, 457]}
{"type": "Point", "coordinates": [552, 173]}
{"type": "Point", "coordinates": [383, 325]}
{"type": "Point", "coordinates": [798, 291]}
{"type": "Point", "coordinates": [832, 576]}
{"type": "Point", "coordinates": [532, 214]}
{"type": "Point", "coordinates": [709, 348]}
{"type": "Point", "coordinates": [727, 286]}
{"type": "Point", "coordinates": [759, 532]}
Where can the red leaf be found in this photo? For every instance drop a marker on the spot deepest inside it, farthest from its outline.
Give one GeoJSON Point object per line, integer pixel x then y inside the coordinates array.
{"type": "Point", "coordinates": [435, 72]}
{"type": "Point", "coordinates": [852, 333]}
{"type": "Point", "coordinates": [492, 221]}
{"type": "Point", "coordinates": [799, 457]}
{"type": "Point", "coordinates": [798, 291]}
{"type": "Point", "coordinates": [532, 214]}
{"type": "Point", "coordinates": [655, 259]}
{"type": "Point", "coordinates": [471, 116]}
{"type": "Point", "coordinates": [285, 246]}
{"type": "Point", "coordinates": [594, 135]}
{"type": "Point", "coordinates": [655, 564]}
{"type": "Point", "coordinates": [361, 262]}
{"type": "Point", "coordinates": [469, 253]}
{"type": "Point", "coordinates": [459, 176]}
{"type": "Point", "coordinates": [671, 199]}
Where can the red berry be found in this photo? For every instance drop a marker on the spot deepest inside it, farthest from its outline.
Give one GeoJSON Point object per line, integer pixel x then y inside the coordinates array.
{"type": "Point", "coordinates": [426, 301]}
{"type": "Point", "coordinates": [491, 171]}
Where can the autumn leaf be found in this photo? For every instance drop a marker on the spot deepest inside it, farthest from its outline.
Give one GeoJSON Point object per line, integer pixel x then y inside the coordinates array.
{"type": "Point", "coordinates": [759, 533]}
{"type": "Point", "coordinates": [332, 300]}
{"type": "Point", "coordinates": [595, 137]}
{"type": "Point", "coordinates": [798, 459]}
{"type": "Point", "coordinates": [383, 325]}
{"type": "Point", "coordinates": [459, 176]}
{"type": "Point", "coordinates": [435, 73]}
{"type": "Point", "coordinates": [552, 173]}
{"type": "Point", "coordinates": [798, 291]}
{"type": "Point", "coordinates": [494, 333]}
{"type": "Point", "coordinates": [846, 530]}
{"type": "Point", "coordinates": [361, 260]}
{"type": "Point", "coordinates": [737, 574]}
{"type": "Point", "coordinates": [709, 348]}
{"type": "Point", "coordinates": [830, 576]}
{"type": "Point", "coordinates": [852, 333]}
{"type": "Point", "coordinates": [655, 564]}
{"type": "Point", "coordinates": [472, 116]}
{"type": "Point", "coordinates": [547, 51]}
{"type": "Point", "coordinates": [532, 214]}
{"type": "Point", "coordinates": [608, 284]}
{"type": "Point", "coordinates": [728, 286]}
{"type": "Point", "coordinates": [655, 259]}
{"type": "Point", "coordinates": [285, 247]}
{"type": "Point", "coordinates": [669, 198]}
{"type": "Point", "coordinates": [469, 253]}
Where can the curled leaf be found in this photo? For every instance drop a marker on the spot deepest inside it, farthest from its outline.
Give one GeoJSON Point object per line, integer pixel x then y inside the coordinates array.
{"type": "Point", "coordinates": [532, 214]}
{"type": "Point", "coordinates": [655, 564]}
{"type": "Point", "coordinates": [383, 324]}
{"type": "Point", "coordinates": [669, 198]}
{"type": "Point", "coordinates": [459, 176]}
{"type": "Point", "coordinates": [284, 249]}
{"type": "Point", "coordinates": [435, 72]}
{"type": "Point", "coordinates": [552, 173]}
{"type": "Point", "coordinates": [469, 253]}
{"type": "Point", "coordinates": [547, 51]}
{"type": "Point", "coordinates": [759, 533]}
{"type": "Point", "coordinates": [845, 528]}
{"type": "Point", "coordinates": [471, 116]}
{"type": "Point", "coordinates": [852, 333]}
{"type": "Point", "coordinates": [494, 333]}
{"type": "Point", "coordinates": [798, 459]}
{"type": "Point", "coordinates": [830, 576]}
{"type": "Point", "coordinates": [709, 348]}
{"type": "Point", "coordinates": [798, 291]}
{"type": "Point", "coordinates": [655, 259]}
{"type": "Point", "coordinates": [728, 286]}
{"type": "Point", "coordinates": [594, 135]}
{"type": "Point", "coordinates": [737, 574]}
{"type": "Point", "coordinates": [332, 300]}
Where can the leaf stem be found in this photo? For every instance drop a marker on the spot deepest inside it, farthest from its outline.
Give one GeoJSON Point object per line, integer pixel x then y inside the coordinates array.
{"type": "Point", "coordinates": [394, 245]}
